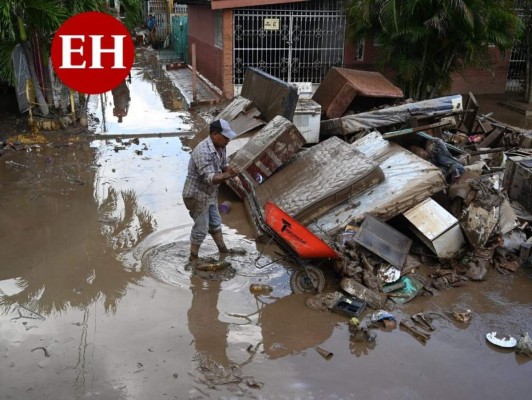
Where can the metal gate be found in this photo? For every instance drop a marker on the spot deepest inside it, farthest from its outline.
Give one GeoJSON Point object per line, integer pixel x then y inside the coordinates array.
{"type": "Point", "coordinates": [298, 45]}
{"type": "Point", "coordinates": [515, 79]}
{"type": "Point", "coordinates": [159, 9]}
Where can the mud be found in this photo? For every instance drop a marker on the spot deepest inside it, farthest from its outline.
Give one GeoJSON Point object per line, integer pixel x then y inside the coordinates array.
{"type": "Point", "coordinates": [93, 253]}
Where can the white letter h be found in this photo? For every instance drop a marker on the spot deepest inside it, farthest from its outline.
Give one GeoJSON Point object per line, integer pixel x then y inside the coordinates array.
{"type": "Point", "coordinates": [97, 51]}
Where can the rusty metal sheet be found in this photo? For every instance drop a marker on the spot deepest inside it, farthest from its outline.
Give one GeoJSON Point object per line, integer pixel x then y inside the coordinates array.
{"type": "Point", "coordinates": [341, 86]}
{"type": "Point", "coordinates": [383, 240]}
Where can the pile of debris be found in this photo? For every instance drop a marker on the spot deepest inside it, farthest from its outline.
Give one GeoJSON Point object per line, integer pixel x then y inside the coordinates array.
{"type": "Point", "coordinates": [389, 184]}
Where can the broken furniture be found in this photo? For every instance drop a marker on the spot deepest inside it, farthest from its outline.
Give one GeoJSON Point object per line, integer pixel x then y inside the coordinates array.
{"type": "Point", "coordinates": [307, 118]}
{"type": "Point", "coordinates": [242, 115]}
{"type": "Point", "coordinates": [342, 89]}
{"type": "Point", "coordinates": [518, 179]}
{"type": "Point", "coordinates": [438, 229]}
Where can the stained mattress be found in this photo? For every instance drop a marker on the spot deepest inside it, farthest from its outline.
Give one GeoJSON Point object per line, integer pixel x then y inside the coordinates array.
{"type": "Point", "coordinates": [320, 178]}
{"type": "Point", "coordinates": [409, 180]}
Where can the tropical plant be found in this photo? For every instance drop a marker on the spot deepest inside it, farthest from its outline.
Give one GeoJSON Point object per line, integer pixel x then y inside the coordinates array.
{"type": "Point", "coordinates": [426, 41]}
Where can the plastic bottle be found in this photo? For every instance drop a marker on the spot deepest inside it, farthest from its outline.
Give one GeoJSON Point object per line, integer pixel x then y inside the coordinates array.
{"type": "Point", "coordinates": [259, 288]}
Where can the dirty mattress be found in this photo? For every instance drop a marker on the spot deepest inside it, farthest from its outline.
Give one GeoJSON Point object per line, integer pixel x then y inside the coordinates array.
{"type": "Point", "coordinates": [320, 178]}
{"type": "Point", "coordinates": [409, 180]}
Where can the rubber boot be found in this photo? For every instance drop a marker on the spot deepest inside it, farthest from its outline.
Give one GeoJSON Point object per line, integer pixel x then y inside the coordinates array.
{"type": "Point", "coordinates": [194, 250]}
{"type": "Point", "coordinates": [219, 240]}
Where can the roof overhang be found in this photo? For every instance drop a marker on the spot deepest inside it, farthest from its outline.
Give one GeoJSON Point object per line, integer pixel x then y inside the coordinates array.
{"type": "Point", "coordinates": [221, 4]}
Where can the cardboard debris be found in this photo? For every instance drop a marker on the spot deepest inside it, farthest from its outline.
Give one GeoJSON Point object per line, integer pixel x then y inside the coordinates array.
{"type": "Point", "coordinates": [241, 115]}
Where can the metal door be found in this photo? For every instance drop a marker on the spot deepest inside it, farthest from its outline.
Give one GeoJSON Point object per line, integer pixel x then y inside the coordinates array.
{"type": "Point", "coordinates": [179, 38]}
{"type": "Point", "coordinates": [292, 45]}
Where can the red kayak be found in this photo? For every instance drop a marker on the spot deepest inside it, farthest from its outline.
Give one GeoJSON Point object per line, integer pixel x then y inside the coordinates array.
{"type": "Point", "coordinates": [299, 238]}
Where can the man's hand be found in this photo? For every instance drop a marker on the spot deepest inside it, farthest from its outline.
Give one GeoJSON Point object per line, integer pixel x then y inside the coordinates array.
{"type": "Point", "coordinates": [231, 172]}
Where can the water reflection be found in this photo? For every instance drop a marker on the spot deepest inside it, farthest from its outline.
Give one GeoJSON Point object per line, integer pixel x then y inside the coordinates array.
{"type": "Point", "coordinates": [148, 110]}
{"type": "Point", "coordinates": [61, 259]}
{"type": "Point", "coordinates": [210, 334]}
{"type": "Point", "coordinates": [121, 99]}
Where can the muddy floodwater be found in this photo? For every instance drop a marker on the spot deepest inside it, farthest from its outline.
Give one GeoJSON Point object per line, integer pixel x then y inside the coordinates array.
{"type": "Point", "coordinates": [97, 301]}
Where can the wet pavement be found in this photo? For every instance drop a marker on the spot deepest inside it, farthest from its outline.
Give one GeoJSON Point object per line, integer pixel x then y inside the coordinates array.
{"type": "Point", "coordinates": [97, 300]}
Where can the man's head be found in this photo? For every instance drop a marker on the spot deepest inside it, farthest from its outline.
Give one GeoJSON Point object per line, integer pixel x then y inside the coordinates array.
{"type": "Point", "coordinates": [221, 132]}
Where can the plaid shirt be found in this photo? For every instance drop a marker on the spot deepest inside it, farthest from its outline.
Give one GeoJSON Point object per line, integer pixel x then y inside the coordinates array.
{"type": "Point", "coordinates": [205, 162]}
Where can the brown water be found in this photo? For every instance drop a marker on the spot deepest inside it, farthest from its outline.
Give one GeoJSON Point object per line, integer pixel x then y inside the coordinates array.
{"type": "Point", "coordinates": [93, 249]}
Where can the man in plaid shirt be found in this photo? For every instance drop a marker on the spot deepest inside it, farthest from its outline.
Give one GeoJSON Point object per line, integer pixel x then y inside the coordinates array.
{"type": "Point", "coordinates": [208, 168]}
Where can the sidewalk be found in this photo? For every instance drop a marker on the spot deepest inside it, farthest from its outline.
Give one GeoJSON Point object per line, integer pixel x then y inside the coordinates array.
{"type": "Point", "coordinates": [182, 78]}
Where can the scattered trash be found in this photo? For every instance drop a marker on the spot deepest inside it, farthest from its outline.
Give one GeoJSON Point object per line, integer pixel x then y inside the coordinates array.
{"type": "Point", "coordinates": [424, 320]}
{"type": "Point", "coordinates": [387, 319]}
{"type": "Point", "coordinates": [324, 353]}
{"type": "Point", "coordinates": [461, 314]}
{"type": "Point", "coordinates": [212, 266]}
{"type": "Point", "coordinates": [501, 340]}
{"type": "Point", "coordinates": [225, 207]}
{"type": "Point", "coordinates": [409, 327]}
{"type": "Point", "coordinates": [349, 307]}
{"type": "Point", "coordinates": [258, 288]}
{"type": "Point", "coordinates": [524, 345]}
{"type": "Point", "coordinates": [373, 299]}
{"type": "Point", "coordinates": [411, 289]}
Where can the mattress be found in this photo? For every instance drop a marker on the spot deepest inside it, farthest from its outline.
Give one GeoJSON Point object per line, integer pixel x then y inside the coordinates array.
{"type": "Point", "coordinates": [319, 179]}
{"type": "Point", "coordinates": [409, 180]}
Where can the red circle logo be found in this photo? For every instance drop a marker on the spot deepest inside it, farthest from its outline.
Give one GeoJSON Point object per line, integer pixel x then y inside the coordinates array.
{"type": "Point", "coordinates": [92, 52]}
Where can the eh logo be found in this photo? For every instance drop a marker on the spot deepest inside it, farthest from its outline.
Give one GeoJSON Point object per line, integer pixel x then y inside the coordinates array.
{"type": "Point", "coordinates": [92, 52]}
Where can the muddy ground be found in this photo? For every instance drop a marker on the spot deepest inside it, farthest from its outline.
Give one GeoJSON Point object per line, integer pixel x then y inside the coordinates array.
{"type": "Point", "coordinates": [97, 300]}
